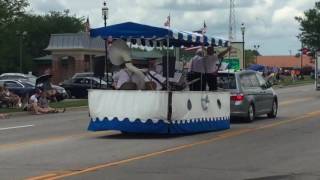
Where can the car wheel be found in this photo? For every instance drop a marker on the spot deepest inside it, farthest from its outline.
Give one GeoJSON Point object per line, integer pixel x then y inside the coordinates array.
{"type": "Point", "coordinates": [251, 114]}
{"type": "Point", "coordinates": [274, 110]}
{"type": "Point", "coordinates": [69, 94]}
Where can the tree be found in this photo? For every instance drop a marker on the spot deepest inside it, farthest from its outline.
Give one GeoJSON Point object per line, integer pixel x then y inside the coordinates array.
{"type": "Point", "coordinates": [250, 56]}
{"type": "Point", "coordinates": [38, 28]}
{"type": "Point", "coordinates": [310, 27]}
{"type": "Point", "coordinates": [10, 10]}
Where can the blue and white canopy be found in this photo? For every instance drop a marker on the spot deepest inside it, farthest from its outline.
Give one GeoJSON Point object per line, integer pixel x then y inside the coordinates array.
{"type": "Point", "coordinates": [155, 36]}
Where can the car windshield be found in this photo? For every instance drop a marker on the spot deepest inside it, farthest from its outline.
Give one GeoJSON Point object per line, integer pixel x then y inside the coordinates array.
{"type": "Point", "coordinates": [227, 81]}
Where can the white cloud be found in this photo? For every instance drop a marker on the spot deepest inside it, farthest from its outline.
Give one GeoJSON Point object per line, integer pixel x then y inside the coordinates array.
{"type": "Point", "coordinates": [269, 23]}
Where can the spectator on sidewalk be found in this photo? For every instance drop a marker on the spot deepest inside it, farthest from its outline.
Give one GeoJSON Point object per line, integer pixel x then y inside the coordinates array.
{"type": "Point", "coordinates": [43, 103]}
{"type": "Point", "coordinates": [3, 116]}
{"type": "Point", "coordinates": [11, 99]}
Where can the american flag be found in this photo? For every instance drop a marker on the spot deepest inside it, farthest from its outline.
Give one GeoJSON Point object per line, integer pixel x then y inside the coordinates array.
{"type": "Point", "coordinates": [167, 22]}
{"type": "Point", "coordinates": [87, 25]}
{"type": "Point", "coordinates": [203, 30]}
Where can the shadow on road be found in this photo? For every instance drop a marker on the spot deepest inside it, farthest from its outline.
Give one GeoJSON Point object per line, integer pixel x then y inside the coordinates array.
{"type": "Point", "coordinates": [127, 136]}
{"type": "Point", "coordinates": [258, 119]}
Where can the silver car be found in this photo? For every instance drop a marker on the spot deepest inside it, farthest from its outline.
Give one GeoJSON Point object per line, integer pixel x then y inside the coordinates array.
{"type": "Point", "coordinates": [251, 95]}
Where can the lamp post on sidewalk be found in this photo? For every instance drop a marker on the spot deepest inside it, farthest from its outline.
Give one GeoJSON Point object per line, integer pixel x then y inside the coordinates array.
{"type": "Point", "coordinates": [105, 15]}
{"type": "Point", "coordinates": [243, 29]}
{"type": "Point", "coordinates": [21, 36]}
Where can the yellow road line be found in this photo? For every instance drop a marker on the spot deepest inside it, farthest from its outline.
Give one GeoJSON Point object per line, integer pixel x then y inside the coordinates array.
{"type": "Point", "coordinates": [284, 103]}
{"type": "Point", "coordinates": [43, 177]}
{"type": "Point", "coordinates": [221, 136]}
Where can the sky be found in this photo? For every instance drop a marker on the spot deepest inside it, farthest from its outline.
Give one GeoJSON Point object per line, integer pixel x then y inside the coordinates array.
{"type": "Point", "coordinates": [269, 23]}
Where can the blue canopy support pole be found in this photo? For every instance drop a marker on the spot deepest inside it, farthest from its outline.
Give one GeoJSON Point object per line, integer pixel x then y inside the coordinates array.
{"type": "Point", "coordinates": [167, 75]}
{"type": "Point", "coordinates": [106, 63]}
{"type": "Point", "coordinates": [169, 115]}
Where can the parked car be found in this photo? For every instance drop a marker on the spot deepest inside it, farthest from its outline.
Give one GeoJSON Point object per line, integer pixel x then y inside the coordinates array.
{"type": "Point", "coordinates": [78, 87]}
{"type": "Point", "coordinates": [19, 87]}
{"type": "Point", "coordinates": [60, 94]}
{"type": "Point", "coordinates": [91, 74]}
{"type": "Point", "coordinates": [251, 95]}
{"type": "Point", "coordinates": [18, 76]}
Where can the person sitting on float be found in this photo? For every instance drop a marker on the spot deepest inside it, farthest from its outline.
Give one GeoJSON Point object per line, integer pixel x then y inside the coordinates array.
{"type": "Point", "coordinates": [125, 79]}
{"type": "Point", "coordinates": [153, 79]}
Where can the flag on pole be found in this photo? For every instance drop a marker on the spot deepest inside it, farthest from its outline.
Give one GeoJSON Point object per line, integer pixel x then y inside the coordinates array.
{"type": "Point", "coordinates": [87, 25]}
{"type": "Point", "coordinates": [203, 30]}
{"type": "Point", "coordinates": [167, 22]}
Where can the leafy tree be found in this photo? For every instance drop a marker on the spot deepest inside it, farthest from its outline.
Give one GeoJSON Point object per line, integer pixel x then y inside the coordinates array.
{"type": "Point", "coordinates": [250, 56]}
{"type": "Point", "coordinates": [310, 27]}
{"type": "Point", "coordinates": [38, 29]}
{"type": "Point", "coordinates": [10, 10]}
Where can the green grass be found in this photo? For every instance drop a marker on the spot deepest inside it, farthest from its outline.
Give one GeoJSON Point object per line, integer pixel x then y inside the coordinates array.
{"type": "Point", "coordinates": [70, 103]}
{"type": "Point", "coordinates": [9, 110]}
{"type": "Point", "coordinates": [61, 104]}
{"type": "Point", "coordinates": [286, 81]}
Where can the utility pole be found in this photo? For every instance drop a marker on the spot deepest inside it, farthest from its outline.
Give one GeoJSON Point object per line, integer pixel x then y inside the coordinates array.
{"type": "Point", "coordinates": [21, 35]}
{"type": "Point", "coordinates": [232, 21]}
{"type": "Point", "coordinates": [105, 15]}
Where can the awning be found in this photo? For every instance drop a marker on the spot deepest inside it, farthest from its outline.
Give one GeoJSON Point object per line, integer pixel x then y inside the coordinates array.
{"type": "Point", "coordinates": [155, 36]}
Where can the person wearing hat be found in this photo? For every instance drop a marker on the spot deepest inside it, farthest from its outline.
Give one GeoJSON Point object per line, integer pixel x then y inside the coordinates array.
{"type": "Point", "coordinates": [210, 69]}
{"type": "Point", "coordinates": [196, 70]}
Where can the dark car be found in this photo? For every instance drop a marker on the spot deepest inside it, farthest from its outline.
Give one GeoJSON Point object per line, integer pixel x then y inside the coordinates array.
{"type": "Point", "coordinates": [91, 74]}
{"type": "Point", "coordinates": [251, 95]}
{"type": "Point", "coordinates": [78, 87]}
{"type": "Point", "coordinates": [60, 92]}
{"type": "Point", "coordinates": [19, 87]}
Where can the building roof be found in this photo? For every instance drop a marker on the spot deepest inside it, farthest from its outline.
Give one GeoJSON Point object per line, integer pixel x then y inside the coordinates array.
{"type": "Point", "coordinates": [75, 41]}
{"type": "Point", "coordinates": [284, 61]}
{"type": "Point", "coordinates": [136, 55]}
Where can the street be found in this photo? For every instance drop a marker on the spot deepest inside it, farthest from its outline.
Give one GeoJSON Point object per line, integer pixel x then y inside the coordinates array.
{"type": "Point", "coordinates": [58, 146]}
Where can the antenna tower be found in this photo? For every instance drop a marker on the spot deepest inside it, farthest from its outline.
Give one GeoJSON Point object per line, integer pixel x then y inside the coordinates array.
{"type": "Point", "coordinates": [232, 21]}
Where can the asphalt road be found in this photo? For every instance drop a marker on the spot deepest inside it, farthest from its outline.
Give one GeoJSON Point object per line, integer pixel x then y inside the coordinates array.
{"type": "Point", "coordinates": [58, 146]}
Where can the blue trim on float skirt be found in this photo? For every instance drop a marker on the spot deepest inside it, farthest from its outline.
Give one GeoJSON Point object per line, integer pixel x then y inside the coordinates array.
{"type": "Point", "coordinates": [149, 127]}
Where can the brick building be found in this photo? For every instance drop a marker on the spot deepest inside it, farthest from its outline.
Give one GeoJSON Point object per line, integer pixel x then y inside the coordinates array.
{"type": "Point", "coordinates": [285, 61]}
{"type": "Point", "coordinates": [71, 53]}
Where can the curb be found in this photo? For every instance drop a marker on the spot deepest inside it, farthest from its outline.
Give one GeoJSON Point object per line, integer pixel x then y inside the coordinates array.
{"type": "Point", "coordinates": [289, 86]}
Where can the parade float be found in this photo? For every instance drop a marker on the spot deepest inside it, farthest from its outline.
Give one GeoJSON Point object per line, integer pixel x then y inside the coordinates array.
{"type": "Point", "coordinates": [157, 112]}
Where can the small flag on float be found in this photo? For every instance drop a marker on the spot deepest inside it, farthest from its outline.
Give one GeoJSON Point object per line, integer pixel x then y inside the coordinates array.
{"type": "Point", "coordinates": [203, 30]}
{"type": "Point", "coordinates": [87, 25]}
{"type": "Point", "coordinates": [167, 22]}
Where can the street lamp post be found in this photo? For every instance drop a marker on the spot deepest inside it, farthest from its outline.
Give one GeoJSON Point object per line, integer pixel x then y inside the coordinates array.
{"type": "Point", "coordinates": [21, 35]}
{"type": "Point", "coordinates": [243, 29]}
{"type": "Point", "coordinates": [256, 47]}
{"type": "Point", "coordinates": [301, 53]}
{"type": "Point", "coordinates": [105, 15]}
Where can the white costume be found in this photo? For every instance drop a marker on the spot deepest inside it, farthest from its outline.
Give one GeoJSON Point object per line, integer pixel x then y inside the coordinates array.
{"type": "Point", "coordinates": [123, 76]}
{"type": "Point", "coordinates": [159, 77]}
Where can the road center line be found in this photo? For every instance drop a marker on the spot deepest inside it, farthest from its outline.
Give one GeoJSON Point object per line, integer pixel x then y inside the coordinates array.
{"type": "Point", "coordinates": [288, 102]}
{"type": "Point", "coordinates": [228, 134]}
{"type": "Point", "coordinates": [16, 127]}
